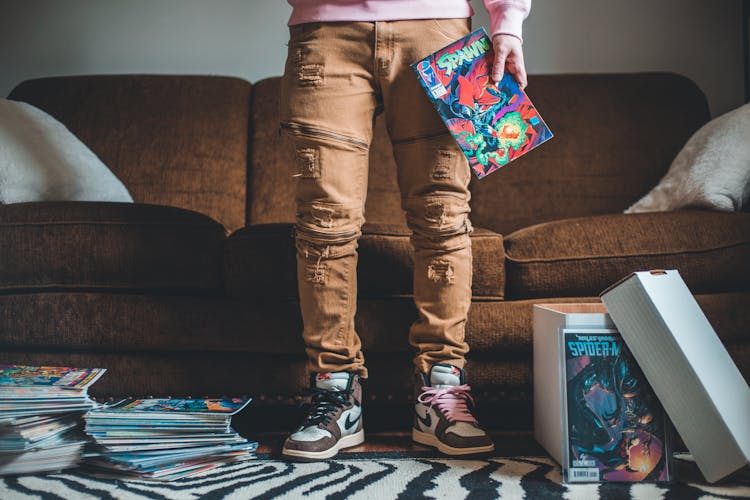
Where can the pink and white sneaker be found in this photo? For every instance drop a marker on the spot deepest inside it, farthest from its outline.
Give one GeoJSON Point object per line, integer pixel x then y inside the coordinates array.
{"type": "Point", "coordinates": [443, 414]}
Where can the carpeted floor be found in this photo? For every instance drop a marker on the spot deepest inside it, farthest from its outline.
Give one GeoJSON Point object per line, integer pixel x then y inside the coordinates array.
{"type": "Point", "coordinates": [378, 475]}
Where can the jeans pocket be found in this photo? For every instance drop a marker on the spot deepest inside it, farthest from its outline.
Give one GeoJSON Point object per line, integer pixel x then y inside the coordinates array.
{"type": "Point", "coordinates": [453, 28]}
{"type": "Point", "coordinates": [301, 32]}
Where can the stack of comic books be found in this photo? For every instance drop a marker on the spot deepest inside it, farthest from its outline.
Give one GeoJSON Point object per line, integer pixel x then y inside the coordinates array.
{"type": "Point", "coordinates": [40, 409]}
{"type": "Point", "coordinates": [166, 439]}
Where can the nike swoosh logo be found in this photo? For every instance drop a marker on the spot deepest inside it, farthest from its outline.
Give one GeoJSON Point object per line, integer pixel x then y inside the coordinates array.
{"type": "Point", "coordinates": [426, 421]}
{"type": "Point", "coordinates": [349, 423]}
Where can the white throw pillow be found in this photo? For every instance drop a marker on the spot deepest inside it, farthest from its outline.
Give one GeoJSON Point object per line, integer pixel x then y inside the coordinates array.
{"type": "Point", "coordinates": [41, 160]}
{"type": "Point", "coordinates": [712, 170]}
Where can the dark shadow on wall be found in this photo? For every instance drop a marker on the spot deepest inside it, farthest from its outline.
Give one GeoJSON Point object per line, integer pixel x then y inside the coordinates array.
{"type": "Point", "coordinates": [39, 38]}
{"type": "Point", "coordinates": [746, 42]}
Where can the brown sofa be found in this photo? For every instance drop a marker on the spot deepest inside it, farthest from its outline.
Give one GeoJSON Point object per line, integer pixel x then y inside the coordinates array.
{"type": "Point", "coordinates": [192, 290]}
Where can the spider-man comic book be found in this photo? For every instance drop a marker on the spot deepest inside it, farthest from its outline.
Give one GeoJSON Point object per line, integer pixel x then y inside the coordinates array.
{"type": "Point", "coordinates": [492, 123]}
{"type": "Point", "coordinates": [616, 427]}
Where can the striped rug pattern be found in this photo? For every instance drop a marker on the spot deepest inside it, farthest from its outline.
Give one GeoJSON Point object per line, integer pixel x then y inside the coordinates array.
{"type": "Point", "coordinates": [378, 476]}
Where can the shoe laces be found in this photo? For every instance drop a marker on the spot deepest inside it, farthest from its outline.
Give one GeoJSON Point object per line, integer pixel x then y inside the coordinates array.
{"type": "Point", "coordinates": [453, 401]}
{"type": "Point", "coordinates": [323, 403]}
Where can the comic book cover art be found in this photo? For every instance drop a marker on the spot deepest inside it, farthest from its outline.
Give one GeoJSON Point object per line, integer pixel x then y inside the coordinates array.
{"type": "Point", "coordinates": [492, 123]}
{"type": "Point", "coordinates": [221, 406]}
{"type": "Point", "coordinates": [50, 376]}
{"type": "Point", "coordinates": [616, 425]}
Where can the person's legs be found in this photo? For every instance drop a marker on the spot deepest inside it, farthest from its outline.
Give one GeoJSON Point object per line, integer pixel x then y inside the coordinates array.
{"type": "Point", "coordinates": [327, 106]}
{"type": "Point", "coordinates": [433, 176]}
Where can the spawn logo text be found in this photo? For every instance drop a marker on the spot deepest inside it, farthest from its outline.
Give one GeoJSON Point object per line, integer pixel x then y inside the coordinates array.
{"type": "Point", "coordinates": [452, 60]}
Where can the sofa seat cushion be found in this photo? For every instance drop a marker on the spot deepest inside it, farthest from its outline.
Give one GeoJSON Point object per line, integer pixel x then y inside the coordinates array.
{"type": "Point", "coordinates": [583, 256]}
{"type": "Point", "coordinates": [260, 262]}
{"type": "Point", "coordinates": [147, 323]}
{"type": "Point", "coordinates": [162, 345]}
{"type": "Point", "coordinates": [108, 246]}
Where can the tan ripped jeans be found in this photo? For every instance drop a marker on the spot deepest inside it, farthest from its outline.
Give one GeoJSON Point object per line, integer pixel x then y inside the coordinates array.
{"type": "Point", "coordinates": [338, 76]}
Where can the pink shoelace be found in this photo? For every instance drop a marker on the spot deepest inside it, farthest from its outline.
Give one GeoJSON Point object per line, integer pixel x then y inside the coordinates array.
{"type": "Point", "coordinates": [452, 401]}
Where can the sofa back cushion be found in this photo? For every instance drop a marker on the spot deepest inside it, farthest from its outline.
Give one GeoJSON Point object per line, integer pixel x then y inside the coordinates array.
{"type": "Point", "coordinates": [615, 136]}
{"type": "Point", "coordinates": [172, 140]}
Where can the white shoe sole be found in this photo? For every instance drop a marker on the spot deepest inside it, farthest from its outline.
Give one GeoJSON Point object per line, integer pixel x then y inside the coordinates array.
{"type": "Point", "coordinates": [428, 439]}
{"type": "Point", "coordinates": [345, 442]}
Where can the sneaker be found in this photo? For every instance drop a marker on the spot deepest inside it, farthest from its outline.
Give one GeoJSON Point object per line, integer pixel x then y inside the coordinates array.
{"type": "Point", "coordinates": [333, 421]}
{"type": "Point", "coordinates": [443, 414]}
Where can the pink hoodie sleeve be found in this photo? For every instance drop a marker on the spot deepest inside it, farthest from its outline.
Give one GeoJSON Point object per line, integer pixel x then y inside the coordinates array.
{"type": "Point", "coordinates": [506, 16]}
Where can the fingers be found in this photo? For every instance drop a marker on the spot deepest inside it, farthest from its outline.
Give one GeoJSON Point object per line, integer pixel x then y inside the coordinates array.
{"type": "Point", "coordinates": [498, 67]}
{"type": "Point", "coordinates": [518, 69]}
{"type": "Point", "coordinates": [508, 55]}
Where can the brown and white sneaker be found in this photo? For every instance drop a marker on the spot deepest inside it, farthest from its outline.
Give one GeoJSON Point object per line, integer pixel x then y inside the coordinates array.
{"type": "Point", "coordinates": [443, 414]}
{"type": "Point", "coordinates": [333, 420]}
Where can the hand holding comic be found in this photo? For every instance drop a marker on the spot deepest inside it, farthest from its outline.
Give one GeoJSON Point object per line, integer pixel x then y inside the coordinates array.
{"type": "Point", "coordinates": [509, 54]}
{"type": "Point", "coordinates": [492, 122]}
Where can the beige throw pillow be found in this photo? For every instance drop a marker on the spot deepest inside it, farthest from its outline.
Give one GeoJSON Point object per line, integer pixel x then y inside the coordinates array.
{"type": "Point", "coordinates": [712, 170]}
{"type": "Point", "coordinates": [41, 160]}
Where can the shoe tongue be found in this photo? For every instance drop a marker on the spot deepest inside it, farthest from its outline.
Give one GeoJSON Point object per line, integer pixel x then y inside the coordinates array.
{"type": "Point", "coordinates": [445, 376]}
{"type": "Point", "coordinates": [336, 381]}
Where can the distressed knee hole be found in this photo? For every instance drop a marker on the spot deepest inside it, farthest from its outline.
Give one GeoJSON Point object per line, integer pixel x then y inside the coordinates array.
{"type": "Point", "coordinates": [442, 169]}
{"type": "Point", "coordinates": [324, 223]}
{"type": "Point", "coordinates": [323, 216]}
{"type": "Point", "coordinates": [308, 163]}
{"type": "Point", "coordinates": [436, 213]}
{"type": "Point", "coordinates": [314, 251]}
{"type": "Point", "coordinates": [317, 273]}
{"type": "Point", "coordinates": [439, 215]}
{"type": "Point", "coordinates": [384, 65]}
{"type": "Point", "coordinates": [441, 271]}
{"type": "Point", "coordinates": [308, 75]}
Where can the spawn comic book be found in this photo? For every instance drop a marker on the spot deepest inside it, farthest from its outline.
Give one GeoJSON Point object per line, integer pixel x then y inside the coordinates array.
{"type": "Point", "coordinates": [616, 427]}
{"type": "Point", "coordinates": [492, 123]}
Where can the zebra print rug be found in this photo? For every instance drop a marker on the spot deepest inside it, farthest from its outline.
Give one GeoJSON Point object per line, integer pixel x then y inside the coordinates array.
{"type": "Point", "coordinates": [371, 475]}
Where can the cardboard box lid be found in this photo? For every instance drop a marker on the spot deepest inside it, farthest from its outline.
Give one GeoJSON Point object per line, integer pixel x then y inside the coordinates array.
{"type": "Point", "coordinates": [690, 370]}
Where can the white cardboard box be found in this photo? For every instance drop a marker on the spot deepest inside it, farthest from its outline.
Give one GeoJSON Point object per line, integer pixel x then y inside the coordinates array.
{"type": "Point", "coordinates": [700, 387]}
{"type": "Point", "coordinates": [549, 399]}
{"type": "Point", "coordinates": [582, 337]}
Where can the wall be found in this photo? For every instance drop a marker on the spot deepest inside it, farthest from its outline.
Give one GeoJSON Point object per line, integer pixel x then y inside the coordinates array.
{"type": "Point", "coordinates": [698, 38]}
